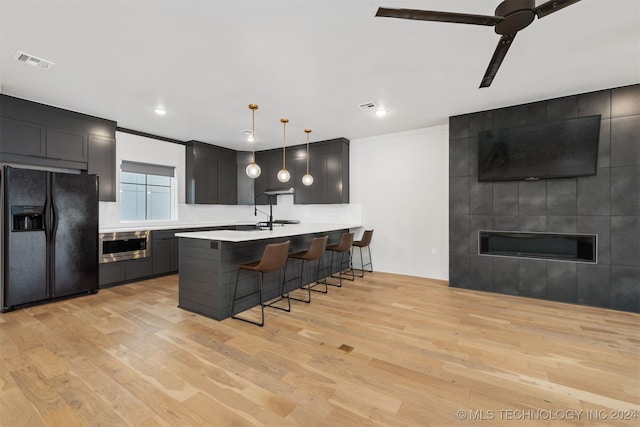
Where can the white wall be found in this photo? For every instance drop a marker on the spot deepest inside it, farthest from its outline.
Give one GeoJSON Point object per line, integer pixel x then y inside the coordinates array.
{"type": "Point", "coordinates": [401, 183]}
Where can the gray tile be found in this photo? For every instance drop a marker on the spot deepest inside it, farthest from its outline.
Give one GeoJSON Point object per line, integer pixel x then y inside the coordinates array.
{"type": "Point", "coordinates": [532, 223]}
{"type": "Point", "coordinates": [505, 198]}
{"type": "Point", "coordinates": [625, 288]}
{"type": "Point", "coordinates": [562, 224]}
{"type": "Point", "coordinates": [625, 141]}
{"type": "Point", "coordinates": [533, 113]}
{"type": "Point", "coordinates": [459, 234]}
{"type": "Point", "coordinates": [505, 275]}
{"type": "Point", "coordinates": [478, 222]}
{"type": "Point", "coordinates": [459, 271]}
{"type": "Point", "coordinates": [593, 103]}
{"type": "Point", "coordinates": [505, 223]}
{"type": "Point", "coordinates": [562, 281]}
{"type": "Point", "coordinates": [473, 155]}
{"type": "Point", "coordinates": [625, 101]}
{"type": "Point", "coordinates": [594, 193]}
{"type": "Point", "coordinates": [459, 126]}
{"type": "Point", "coordinates": [600, 226]}
{"type": "Point", "coordinates": [480, 273]}
{"type": "Point", "coordinates": [480, 197]}
{"type": "Point", "coordinates": [532, 197]}
{"type": "Point", "coordinates": [594, 285]}
{"type": "Point", "coordinates": [562, 108]}
{"type": "Point", "coordinates": [562, 195]}
{"type": "Point", "coordinates": [625, 240]}
{"type": "Point", "coordinates": [625, 190]}
{"type": "Point", "coordinates": [532, 278]}
{"type": "Point", "coordinates": [505, 118]}
{"type": "Point", "coordinates": [604, 144]}
{"type": "Point", "coordinates": [459, 157]}
{"type": "Point", "coordinates": [459, 195]}
{"type": "Point", "coordinates": [479, 122]}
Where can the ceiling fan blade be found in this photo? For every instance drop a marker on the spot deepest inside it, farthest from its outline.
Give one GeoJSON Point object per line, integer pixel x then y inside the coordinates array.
{"type": "Point", "coordinates": [428, 15]}
{"type": "Point", "coordinates": [552, 6]}
{"type": "Point", "coordinates": [501, 50]}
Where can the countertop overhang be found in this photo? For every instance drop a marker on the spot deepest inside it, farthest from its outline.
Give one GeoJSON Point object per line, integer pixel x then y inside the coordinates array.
{"type": "Point", "coordinates": [277, 232]}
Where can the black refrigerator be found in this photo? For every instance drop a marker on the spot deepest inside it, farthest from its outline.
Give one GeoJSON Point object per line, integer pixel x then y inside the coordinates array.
{"type": "Point", "coordinates": [49, 236]}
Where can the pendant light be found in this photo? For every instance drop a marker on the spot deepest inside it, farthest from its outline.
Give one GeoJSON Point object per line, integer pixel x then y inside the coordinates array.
{"type": "Point", "coordinates": [283, 174]}
{"type": "Point", "coordinates": [307, 179]}
{"type": "Point", "coordinates": [253, 170]}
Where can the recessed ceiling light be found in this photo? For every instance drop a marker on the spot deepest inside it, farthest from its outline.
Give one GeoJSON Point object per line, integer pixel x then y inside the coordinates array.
{"type": "Point", "coordinates": [381, 112]}
{"type": "Point", "coordinates": [160, 111]}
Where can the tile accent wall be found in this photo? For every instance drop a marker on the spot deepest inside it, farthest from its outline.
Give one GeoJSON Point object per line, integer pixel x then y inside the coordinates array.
{"type": "Point", "coordinates": [607, 204]}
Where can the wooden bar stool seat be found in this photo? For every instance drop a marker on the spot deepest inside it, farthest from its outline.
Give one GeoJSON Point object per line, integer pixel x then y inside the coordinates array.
{"type": "Point", "coordinates": [273, 259]}
{"type": "Point", "coordinates": [343, 248]}
{"type": "Point", "coordinates": [364, 242]}
{"type": "Point", "coordinates": [315, 252]}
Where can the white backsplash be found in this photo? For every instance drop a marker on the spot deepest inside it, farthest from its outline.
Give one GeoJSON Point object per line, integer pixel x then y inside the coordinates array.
{"type": "Point", "coordinates": [211, 214]}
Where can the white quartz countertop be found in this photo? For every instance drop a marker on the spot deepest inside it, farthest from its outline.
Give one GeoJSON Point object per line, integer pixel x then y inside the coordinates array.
{"type": "Point", "coordinates": [248, 235]}
{"type": "Point", "coordinates": [141, 227]}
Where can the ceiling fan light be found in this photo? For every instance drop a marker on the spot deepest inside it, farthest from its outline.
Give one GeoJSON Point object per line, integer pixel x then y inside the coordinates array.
{"type": "Point", "coordinates": [307, 180]}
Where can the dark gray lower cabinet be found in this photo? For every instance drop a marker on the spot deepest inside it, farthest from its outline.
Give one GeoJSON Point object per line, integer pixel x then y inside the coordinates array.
{"type": "Point", "coordinates": [164, 259]}
{"type": "Point", "coordinates": [124, 271]}
{"type": "Point", "coordinates": [164, 251]}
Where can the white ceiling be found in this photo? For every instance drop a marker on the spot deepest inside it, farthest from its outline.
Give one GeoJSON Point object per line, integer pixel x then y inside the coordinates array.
{"type": "Point", "coordinates": [312, 61]}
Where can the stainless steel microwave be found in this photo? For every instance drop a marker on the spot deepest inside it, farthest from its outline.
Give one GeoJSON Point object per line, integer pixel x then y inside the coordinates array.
{"type": "Point", "coordinates": [124, 245]}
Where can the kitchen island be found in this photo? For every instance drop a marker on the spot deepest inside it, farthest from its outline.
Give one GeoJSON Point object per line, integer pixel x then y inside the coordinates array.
{"type": "Point", "coordinates": [209, 263]}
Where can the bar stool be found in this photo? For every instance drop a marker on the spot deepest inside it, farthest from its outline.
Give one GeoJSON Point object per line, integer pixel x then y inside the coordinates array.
{"type": "Point", "coordinates": [274, 258]}
{"type": "Point", "coordinates": [364, 242]}
{"type": "Point", "coordinates": [314, 253]}
{"type": "Point", "coordinates": [343, 247]}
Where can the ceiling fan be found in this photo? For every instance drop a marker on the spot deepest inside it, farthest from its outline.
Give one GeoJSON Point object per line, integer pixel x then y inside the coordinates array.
{"type": "Point", "coordinates": [511, 17]}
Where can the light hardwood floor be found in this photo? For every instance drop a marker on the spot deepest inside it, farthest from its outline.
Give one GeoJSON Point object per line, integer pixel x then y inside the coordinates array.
{"type": "Point", "coordinates": [383, 350]}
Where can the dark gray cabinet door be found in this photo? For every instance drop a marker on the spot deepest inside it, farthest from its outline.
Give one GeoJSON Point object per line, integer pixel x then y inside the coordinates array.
{"type": "Point", "coordinates": [211, 174]}
{"type": "Point", "coordinates": [66, 145]}
{"type": "Point", "coordinates": [101, 162]}
{"type": "Point", "coordinates": [24, 138]}
{"type": "Point", "coordinates": [113, 272]}
{"type": "Point", "coordinates": [333, 178]}
{"type": "Point", "coordinates": [161, 255]}
{"type": "Point", "coordinates": [227, 180]}
{"type": "Point", "coordinates": [138, 268]}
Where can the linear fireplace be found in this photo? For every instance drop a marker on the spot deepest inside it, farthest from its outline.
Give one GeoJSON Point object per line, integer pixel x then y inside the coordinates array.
{"type": "Point", "coordinates": [554, 246]}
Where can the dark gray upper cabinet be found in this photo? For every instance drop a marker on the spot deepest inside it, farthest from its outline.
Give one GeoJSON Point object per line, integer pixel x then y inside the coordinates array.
{"type": "Point", "coordinates": [66, 145]}
{"type": "Point", "coordinates": [22, 138]}
{"type": "Point", "coordinates": [211, 174]}
{"type": "Point", "coordinates": [42, 135]}
{"type": "Point", "coordinates": [101, 161]}
{"type": "Point", "coordinates": [328, 164]}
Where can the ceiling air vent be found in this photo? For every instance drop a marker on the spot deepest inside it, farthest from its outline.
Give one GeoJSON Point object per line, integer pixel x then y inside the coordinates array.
{"type": "Point", "coordinates": [33, 60]}
{"type": "Point", "coordinates": [367, 106]}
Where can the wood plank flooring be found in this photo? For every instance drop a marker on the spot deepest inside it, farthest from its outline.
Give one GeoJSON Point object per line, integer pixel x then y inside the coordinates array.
{"type": "Point", "coordinates": [385, 350]}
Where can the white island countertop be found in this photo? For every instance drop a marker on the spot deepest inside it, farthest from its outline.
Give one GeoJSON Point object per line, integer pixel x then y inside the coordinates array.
{"type": "Point", "coordinates": [248, 235]}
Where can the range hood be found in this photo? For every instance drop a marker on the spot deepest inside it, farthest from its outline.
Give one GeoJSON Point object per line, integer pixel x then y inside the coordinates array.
{"type": "Point", "coordinates": [278, 191]}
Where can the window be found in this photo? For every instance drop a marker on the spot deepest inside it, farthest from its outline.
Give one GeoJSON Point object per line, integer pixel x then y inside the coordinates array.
{"type": "Point", "coordinates": [145, 191]}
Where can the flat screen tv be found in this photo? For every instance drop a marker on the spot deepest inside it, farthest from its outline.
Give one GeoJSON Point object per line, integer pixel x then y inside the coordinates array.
{"type": "Point", "coordinates": [561, 149]}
